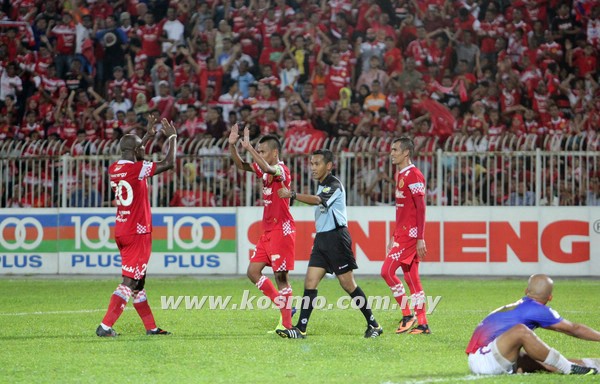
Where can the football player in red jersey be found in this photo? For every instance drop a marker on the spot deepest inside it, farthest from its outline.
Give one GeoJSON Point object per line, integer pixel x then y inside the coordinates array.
{"type": "Point", "coordinates": [133, 228]}
{"type": "Point", "coordinates": [275, 247]}
{"type": "Point", "coordinates": [407, 247]}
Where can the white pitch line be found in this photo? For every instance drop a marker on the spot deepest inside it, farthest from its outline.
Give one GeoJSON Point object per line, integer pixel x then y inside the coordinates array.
{"type": "Point", "coordinates": [54, 312]}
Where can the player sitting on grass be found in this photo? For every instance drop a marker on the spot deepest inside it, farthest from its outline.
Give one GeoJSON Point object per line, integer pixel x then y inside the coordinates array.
{"type": "Point", "coordinates": [497, 343]}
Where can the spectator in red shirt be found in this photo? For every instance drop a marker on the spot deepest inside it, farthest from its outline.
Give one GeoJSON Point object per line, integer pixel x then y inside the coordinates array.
{"type": "Point", "coordinates": [64, 43]}
{"type": "Point", "coordinates": [101, 9]}
{"type": "Point", "coordinates": [585, 62]}
{"type": "Point", "coordinates": [273, 53]}
{"type": "Point", "coordinates": [150, 35]}
{"type": "Point", "coordinates": [164, 102]}
{"type": "Point", "coordinates": [392, 58]}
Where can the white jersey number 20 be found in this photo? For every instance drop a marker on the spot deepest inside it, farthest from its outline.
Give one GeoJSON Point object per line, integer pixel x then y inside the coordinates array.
{"type": "Point", "coordinates": [118, 188]}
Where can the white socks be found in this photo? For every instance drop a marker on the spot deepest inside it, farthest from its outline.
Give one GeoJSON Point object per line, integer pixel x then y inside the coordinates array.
{"type": "Point", "coordinates": [558, 361]}
{"type": "Point", "coordinates": [591, 363]}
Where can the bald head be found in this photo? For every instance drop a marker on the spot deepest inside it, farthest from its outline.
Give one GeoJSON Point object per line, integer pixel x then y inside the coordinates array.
{"type": "Point", "coordinates": [129, 142]}
{"type": "Point", "coordinates": [539, 288]}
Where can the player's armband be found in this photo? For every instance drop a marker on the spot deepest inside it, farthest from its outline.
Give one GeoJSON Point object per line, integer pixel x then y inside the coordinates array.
{"type": "Point", "coordinates": [417, 188]}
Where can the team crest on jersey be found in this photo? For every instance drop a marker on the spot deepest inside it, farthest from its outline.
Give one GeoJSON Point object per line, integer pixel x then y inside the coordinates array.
{"type": "Point", "coordinates": [326, 189]}
{"type": "Point", "coordinates": [401, 183]}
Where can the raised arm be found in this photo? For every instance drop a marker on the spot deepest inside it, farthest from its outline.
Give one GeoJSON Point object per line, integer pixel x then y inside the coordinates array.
{"type": "Point", "coordinates": [266, 167]}
{"type": "Point", "coordinates": [169, 161]}
{"type": "Point", "coordinates": [233, 138]}
{"type": "Point", "coordinates": [98, 111]}
{"type": "Point", "coordinates": [70, 113]}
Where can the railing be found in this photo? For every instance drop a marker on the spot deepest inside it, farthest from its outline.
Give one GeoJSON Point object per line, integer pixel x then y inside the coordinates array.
{"type": "Point", "coordinates": [510, 170]}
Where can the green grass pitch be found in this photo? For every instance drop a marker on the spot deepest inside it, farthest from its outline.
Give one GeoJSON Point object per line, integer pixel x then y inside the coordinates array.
{"type": "Point", "coordinates": [47, 335]}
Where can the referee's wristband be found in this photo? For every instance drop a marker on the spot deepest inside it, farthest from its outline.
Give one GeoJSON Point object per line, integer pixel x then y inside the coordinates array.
{"type": "Point", "coordinates": [293, 195]}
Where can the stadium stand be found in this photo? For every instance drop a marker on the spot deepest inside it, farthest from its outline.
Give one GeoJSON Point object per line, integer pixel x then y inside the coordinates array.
{"type": "Point", "coordinates": [501, 97]}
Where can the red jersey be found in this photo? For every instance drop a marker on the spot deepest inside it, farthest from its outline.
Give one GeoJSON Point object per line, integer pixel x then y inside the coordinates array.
{"type": "Point", "coordinates": [276, 214]}
{"type": "Point", "coordinates": [128, 181]}
{"type": "Point", "coordinates": [410, 186]}
{"type": "Point", "coordinates": [150, 35]}
{"type": "Point", "coordinates": [65, 39]}
{"type": "Point", "coordinates": [338, 77]}
{"type": "Point", "coordinates": [267, 128]}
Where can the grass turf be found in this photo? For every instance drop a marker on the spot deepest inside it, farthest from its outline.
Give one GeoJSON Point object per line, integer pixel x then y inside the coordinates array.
{"type": "Point", "coordinates": [47, 335]}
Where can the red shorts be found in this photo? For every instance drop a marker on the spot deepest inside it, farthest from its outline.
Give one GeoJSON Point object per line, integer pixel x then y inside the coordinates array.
{"type": "Point", "coordinates": [404, 253]}
{"type": "Point", "coordinates": [135, 254]}
{"type": "Point", "coordinates": [276, 250]}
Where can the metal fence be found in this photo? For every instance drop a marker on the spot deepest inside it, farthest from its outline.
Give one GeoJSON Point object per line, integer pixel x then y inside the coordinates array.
{"type": "Point", "coordinates": [483, 170]}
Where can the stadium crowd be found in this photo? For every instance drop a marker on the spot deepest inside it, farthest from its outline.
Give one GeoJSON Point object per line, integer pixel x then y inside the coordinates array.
{"type": "Point", "coordinates": [77, 71]}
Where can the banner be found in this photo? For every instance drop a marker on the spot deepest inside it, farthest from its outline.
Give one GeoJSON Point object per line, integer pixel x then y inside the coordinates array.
{"type": "Point", "coordinates": [28, 243]}
{"type": "Point", "coordinates": [191, 241]}
{"type": "Point", "coordinates": [515, 241]}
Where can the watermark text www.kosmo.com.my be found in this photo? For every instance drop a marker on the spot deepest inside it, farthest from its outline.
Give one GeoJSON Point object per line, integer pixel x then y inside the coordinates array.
{"type": "Point", "coordinates": [251, 302]}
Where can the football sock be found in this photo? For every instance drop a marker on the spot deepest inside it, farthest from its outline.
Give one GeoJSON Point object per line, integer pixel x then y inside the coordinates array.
{"type": "Point", "coordinates": [117, 304]}
{"type": "Point", "coordinates": [400, 295]}
{"type": "Point", "coordinates": [558, 361]}
{"type": "Point", "coordinates": [140, 303]}
{"type": "Point", "coordinates": [306, 309]}
{"type": "Point", "coordinates": [267, 288]}
{"type": "Point", "coordinates": [286, 309]}
{"type": "Point", "coordinates": [591, 363]}
{"type": "Point", "coordinates": [417, 299]}
{"type": "Point", "coordinates": [365, 308]}
{"type": "Point", "coordinates": [418, 302]}
{"type": "Point", "coordinates": [388, 272]}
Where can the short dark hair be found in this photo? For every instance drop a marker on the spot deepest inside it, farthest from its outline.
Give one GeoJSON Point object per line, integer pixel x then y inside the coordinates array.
{"type": "Point", "coordinates": [326, 153]}
{"type": "Point", "coordinates": [406, 143]}
{"type": "Point", "coordinates": [272, 141]}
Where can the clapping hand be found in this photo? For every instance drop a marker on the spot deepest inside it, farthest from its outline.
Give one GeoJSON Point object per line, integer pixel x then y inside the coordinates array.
{"type": "Point", "coordinates": [246, 142]}
{"type": "Point", "coordinates": [168, 128]}
{"type": "Point", "coordinates": [151, 126]}
{"type": "Point", "coordinates": [234, 134]}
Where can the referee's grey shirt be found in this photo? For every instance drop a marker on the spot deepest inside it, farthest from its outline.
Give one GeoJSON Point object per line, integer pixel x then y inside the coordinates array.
{"type": "Point", "coordinates": [331, 213]}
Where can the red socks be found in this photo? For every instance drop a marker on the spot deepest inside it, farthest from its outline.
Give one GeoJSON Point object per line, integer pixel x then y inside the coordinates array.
{"type": "Point", "coordinates": [286, 309]}
{"type": "Point", "coordinates": [117, 304]}
{"type": "Point", "coordinates": [268, 289]}
{"type": "Point", "coordinates": [140, 303]}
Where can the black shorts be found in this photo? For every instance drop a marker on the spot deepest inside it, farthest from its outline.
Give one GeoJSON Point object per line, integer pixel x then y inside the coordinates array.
{"type": "Point", "coordinates": [332, 251]}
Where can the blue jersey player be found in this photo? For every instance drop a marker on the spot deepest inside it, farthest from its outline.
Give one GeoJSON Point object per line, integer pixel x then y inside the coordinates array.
{"type": "Point", "coordinates": [504, 342]}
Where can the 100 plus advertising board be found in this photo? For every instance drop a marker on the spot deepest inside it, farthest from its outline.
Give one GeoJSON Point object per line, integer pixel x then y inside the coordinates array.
{"type": "Point", "coordinates": [194, 241]}
{"type": "Point", "coordinates": [460, 240]}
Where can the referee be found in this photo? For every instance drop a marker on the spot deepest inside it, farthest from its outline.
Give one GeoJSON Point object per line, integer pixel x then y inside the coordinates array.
{"type": "Point", "coordinates": [332, 249]}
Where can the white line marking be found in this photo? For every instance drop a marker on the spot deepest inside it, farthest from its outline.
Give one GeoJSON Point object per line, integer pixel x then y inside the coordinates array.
{"type": "Point", "coordinates": [55, 312]}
